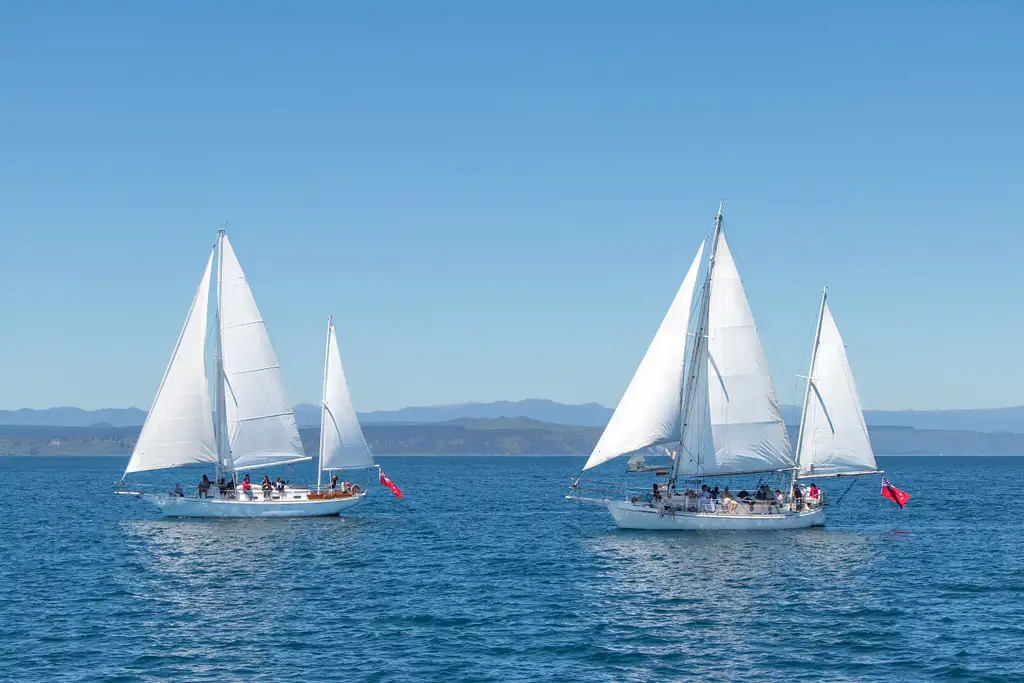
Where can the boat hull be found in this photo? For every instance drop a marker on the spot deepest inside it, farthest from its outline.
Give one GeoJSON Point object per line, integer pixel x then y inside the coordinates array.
{"type": "Point", "coordinates": [628, 515]}
{"type": "Point", "coordinates": [177, 506]}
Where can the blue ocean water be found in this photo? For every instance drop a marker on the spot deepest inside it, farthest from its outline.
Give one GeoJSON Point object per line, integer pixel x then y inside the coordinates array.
{"type": "Point", "coordinates": [485, 573]}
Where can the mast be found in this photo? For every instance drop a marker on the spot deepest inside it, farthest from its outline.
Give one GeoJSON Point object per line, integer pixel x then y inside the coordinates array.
{"type": "Point", "coordinates": [323, 403]}
{"type": "Point", "coordinates": [807, 391]}
{"type": "Point", "coordinates": [699, 342]}
{"type": "Point", "coordinates": [220, 411]}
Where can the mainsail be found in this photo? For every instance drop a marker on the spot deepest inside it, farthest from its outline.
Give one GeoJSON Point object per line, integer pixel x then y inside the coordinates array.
{"type": "Point", "coordinates": [260, 424]}
{"type": "Point", "coordinates": [650, 410]}
{"type": "Point", "coordinates": [746, 421]}
{"type": "Point", "coordinates": [179, 427]}
{"type": "Point", "coordinates": [833, 436]}
{"type": "Point", "coordinates": [342, 444]}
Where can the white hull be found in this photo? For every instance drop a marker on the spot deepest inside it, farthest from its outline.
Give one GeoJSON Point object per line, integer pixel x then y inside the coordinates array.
{"type": "Point", "coordinates": [299, 506]}
{"type": "Point", "coordinates": [628, 515]}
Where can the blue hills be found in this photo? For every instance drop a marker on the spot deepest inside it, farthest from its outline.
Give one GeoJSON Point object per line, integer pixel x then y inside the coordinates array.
{"type": "Point", "coordinates": [988, 420]}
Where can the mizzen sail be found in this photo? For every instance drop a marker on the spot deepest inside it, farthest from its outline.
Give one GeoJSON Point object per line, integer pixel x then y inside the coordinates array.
{"type": "Point", "coordinates": [834, 438]}
{"type": "Point", "coordinates": [342, 444]}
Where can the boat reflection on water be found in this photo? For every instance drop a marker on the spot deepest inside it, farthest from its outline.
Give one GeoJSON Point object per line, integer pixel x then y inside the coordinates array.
{"type": "Point", "coordinates": [714, 590]}
{"type": "Point", "coordinates": [195, 563]}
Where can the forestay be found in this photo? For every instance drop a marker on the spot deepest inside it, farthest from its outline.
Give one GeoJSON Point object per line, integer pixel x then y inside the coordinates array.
{"type": "Point", "coordinates": [746, 421]}
{"type": "Point", "coordinates": [342, 442]}
{"type": "Point", "coordinates": [650, 411]}
{"type": "Point", "coordinates": [261, 426]}
{"type": "Point", "coordinates": [834, 436]}
{"type": "Point", "coordinates": [179, 427]}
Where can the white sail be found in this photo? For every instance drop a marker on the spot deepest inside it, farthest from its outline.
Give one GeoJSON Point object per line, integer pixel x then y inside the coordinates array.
{"type": "Point", "coordinates": [179, 427]}
{"type": "Point", "coordinates": [342, 444]}
{"type": "Point", "coordinates": [834, 436]}
{"type": "Point", "coordinates": [650, 410]}
{"type": "Point", "coordinates": [260, 424]}
{"type": "Point", "coordinates": [746, 421]}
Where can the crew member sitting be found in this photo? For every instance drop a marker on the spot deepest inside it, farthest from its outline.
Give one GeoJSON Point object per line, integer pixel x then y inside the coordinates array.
{"type": "Point", "coordinates": [247, 487]}
{"type": "Point", "coordinates": [267, 487]}
{"type": "Point", "coordinates": [729, 501]}
{"type": "Point", "coordinates": [655, 493]}
{"type": "Point", "coordinates": [334, 482]}
{"type": "Point", "coordinates": [204, 486]}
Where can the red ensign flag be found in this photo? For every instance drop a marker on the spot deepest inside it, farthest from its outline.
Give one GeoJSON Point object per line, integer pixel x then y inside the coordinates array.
{"type": "Point", "coordinates": [894, 494]}
{"type": "Point", "coordinates": [384, 481]}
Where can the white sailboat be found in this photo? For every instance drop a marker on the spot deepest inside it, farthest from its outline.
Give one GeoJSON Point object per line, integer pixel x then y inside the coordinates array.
{"type": "Point", "coordinates": [251, 424]}
{"type": "Point", "coordinates": [833, 440]}
{"type": "Point", "coordinates": [704, 389]}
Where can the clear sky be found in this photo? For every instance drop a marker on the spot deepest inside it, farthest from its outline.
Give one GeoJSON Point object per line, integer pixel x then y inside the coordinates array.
{"type": "Point", "coordinates": [498, 200]}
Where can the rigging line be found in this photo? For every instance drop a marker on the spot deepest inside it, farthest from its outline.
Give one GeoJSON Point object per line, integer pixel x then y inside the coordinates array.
{"type": "Point", "coordinates": [847, 490]}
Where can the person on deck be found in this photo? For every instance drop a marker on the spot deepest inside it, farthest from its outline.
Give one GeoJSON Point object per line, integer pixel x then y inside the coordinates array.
{"type": "Point", "coordinates": [267, 487]}
{"type": "Point", "coordinates": [729, 501]}
{"type": "Point", "coordinates": [655, 493]}
{"type": "Point", "coordinates": [797, 498]}
{"type": "Point", "coordinates": [279, 485]}
{"type": "Point", "coordinates": [334, 482]}
{"type": "Point", "coordinates": [780, 497]}
{"type": "Point", "coordinates": [247, 487]}
{"type": "Point", "coordinates": [204, 486]}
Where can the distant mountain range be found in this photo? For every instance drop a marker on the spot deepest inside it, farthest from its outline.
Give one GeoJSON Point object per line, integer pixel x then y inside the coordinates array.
{"type": "Point", "coordinates": [988, 420]}
{"type": "Point", "coordinates": [483, 436]}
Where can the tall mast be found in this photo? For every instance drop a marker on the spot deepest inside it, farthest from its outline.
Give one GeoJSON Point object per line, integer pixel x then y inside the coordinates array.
{"type": "Point", "coordinates": [700, 341]}
{"type": "Point", "coordinates": [807, 391]}
{"type": "Point", "coordinates": [220, 410]}
{"type": "Point", "coordinates": [323, 403]}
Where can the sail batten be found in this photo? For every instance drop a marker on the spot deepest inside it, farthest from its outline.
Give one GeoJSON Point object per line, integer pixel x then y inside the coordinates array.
{"type": "Point", "coordinates": [260, 423]}
{"type": "Point", "coordinates": [179, 425]}
{"type": "Point", "coordinates": [650, 411]}
{"type": "Point", "coordinates": [834, 437]}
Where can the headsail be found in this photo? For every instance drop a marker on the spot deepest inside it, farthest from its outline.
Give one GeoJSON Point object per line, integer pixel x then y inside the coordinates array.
{"type": "Point", "coordinates": [260, 424]}
{"type": "Point", "coordinates": [834, 438]}
{"type": "Point", "coordinates": [342, 444]}
{"type": "Point", "coordinates": [746, 421]}
{"type": "Point", "coordinates": [179, 427]}
{"type": "Point", "coordinates": [650, 410]}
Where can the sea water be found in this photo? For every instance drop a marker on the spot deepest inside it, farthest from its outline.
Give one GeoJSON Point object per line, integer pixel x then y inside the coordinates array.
{"type": "Point", "coordinates": [484, 572]}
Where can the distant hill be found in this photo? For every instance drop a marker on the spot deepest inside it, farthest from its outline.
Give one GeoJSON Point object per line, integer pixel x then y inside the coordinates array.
{"type": "Point", "coordinates": [74, 417]}
{"type": "Point", "coordinates": [587, 414]}
{"type": "Point", "coordinates": [989, 420]}
{"type": "Point", "coordinates": [497, 436]}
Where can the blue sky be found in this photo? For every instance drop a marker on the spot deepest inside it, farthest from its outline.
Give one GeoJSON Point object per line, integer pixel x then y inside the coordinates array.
{"type": "Point", "coordinates": [499, 200]}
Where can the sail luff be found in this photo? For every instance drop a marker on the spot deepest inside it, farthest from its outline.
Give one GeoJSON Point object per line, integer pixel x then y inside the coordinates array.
{"type": "Point", "coordinates": [810, 374]}
{"type": "Point", "coordinates": [220, 412]}
{"type": "Point", "coordinates": [649, 412]}
{"type": "Point", "coordinates": [323, 402]}
{"type": "Point", "coordinates": [178, 429]}
{"type": "Point", "coordinates": [694, 435]}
